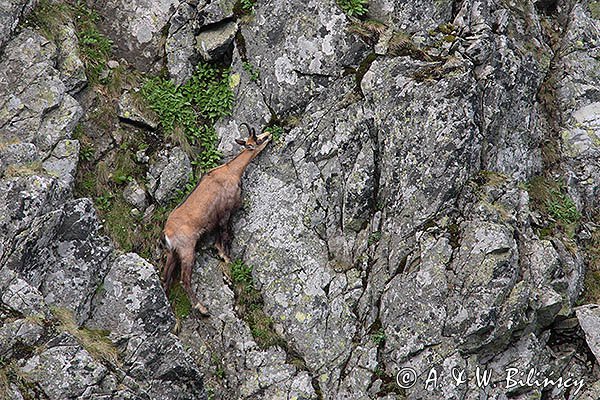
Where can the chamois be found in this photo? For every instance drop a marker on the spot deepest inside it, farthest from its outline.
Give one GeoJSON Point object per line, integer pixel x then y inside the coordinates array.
{"type": "Point", "coordinates": [208, 207]}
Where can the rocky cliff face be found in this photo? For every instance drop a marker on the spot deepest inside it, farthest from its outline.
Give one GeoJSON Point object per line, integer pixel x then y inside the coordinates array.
{"type": "Point", "coordinates": [430, 206]}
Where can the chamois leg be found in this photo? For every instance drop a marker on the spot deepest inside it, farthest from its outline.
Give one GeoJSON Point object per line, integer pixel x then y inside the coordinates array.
{"type": "Point", "coordinates": [167, 277]}
{"type": "Point", "coordinates": [187, 259]}
{"type": "Point", "coordinates": [223, 246]}
{"type": "Point", "coordinates": [223, 242]}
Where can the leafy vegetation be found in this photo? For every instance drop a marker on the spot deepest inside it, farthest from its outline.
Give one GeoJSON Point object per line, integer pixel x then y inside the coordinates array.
{"type": "Point", "coordinates": [246, 6]}
{"type": "Point", "coordinates": [95, 47]}
{"type": "Point", "coordinates": [250, 304]}
{"type": "Point", "coordinates": [353, 8]}
{"type": "Point", "coordinates": [276, 132]}
{"type": "Point", "coordinates": [379, 337]}
{"type": "Point", "coordinates": [193, 108]}
{"type": "Point", "coordinates": [242, 274]}
{"type": "Point", "coordinates": [549, 197]}
{"type": "Point", "coordinates": [252, 71]}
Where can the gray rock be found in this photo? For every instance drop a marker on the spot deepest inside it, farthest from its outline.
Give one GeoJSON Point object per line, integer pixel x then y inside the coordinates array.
{"type": "Point", "coordinates": [11, 13]}
{"type": "Point", "coordinates": [589, 319]}
{"type": "Point", "coordinates": [180, 44]}
{"type": "Point", "coordinates": [64, 369]}
{"type": "Point", "coordinates": [135, 28]}
{"type": "Point", "coordinates": [62, 162]}
{"type": "Point", "coordinates": [131, 299]}
{"type": "Point", "coordinates": [216, 11]}
{"type": "Point", "coordinates": [214, 42]}
{"type": "Point", "coordinates": [135, 195]}
{"type": "Point", "coordinates": [300, 49]}
{"type": "Point", "coordinates": [131, 109]}
{"type": "Point", "coordinates": [22, 333]}
{"type": "Point", "coordinates": [168, 174]}
{"type": "Point", "coordinates": [72, 69]}
{"type": "Point", "coordinates": [249, 107]}
{"type": "Point", "coordinates": [17, 154]}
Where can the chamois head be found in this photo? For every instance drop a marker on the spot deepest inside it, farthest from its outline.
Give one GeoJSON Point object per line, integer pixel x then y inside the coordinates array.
{"type": "Point", "coordinates": [253, 141]}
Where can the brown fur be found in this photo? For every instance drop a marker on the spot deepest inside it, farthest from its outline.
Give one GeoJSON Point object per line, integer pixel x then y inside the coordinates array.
{"type": "Point", "coordinates": [207, 208]}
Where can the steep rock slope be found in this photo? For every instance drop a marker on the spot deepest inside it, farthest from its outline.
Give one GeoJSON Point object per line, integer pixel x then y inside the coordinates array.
{"type": "Point", "coordinates": [430, 205]}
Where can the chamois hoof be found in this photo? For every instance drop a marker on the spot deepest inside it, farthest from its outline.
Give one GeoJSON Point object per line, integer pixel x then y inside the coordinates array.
{"type": "Point", "coordinates": [202, 310]}
{"type": "Point", "coordinates": [226, 273]}
{"type": "Point", "coordinates": [177, 327]}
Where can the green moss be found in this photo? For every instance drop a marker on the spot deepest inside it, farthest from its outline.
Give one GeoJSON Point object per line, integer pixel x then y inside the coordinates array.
{"type": "Point", "coordinates": [374, 238]}
{"type": "Point", "coordinates": [119, 222]}
{"type": "Point", "coordinates": [595, 9]}
{"type": "Point", "coordinates": [250, 305]}
{"type": "Point", "coordinates": [180, 301]}
{"type": "Point", "coordinates": [48, 17]}
{"type": "Point", "coordinates": [449, 38]}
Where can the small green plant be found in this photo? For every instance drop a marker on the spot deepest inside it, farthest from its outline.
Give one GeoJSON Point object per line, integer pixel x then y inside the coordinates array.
{"type": "Point", "coordinates": [210, 392]}
{"type": "Point", "coordinates": [353, 8]}
{"type": "Point", "coordinates": [247, 5]}
{"type": "Point", "coordinates": [242, 274]}
{"type": "Point", "coordinates": [562, 207]}
{"type": "Point", "coordinates": [104, 201]}
{"type": "Point", "coordinates": [276, 132]}
{"type": "Point", "coordinates": [121, 179]}
{"type": "Point", "coordinates": [87, 152]}
{"type": "Point", "coordinates": [95, 47]}
{"type": "Point", "coordinates": [549, 196]}
{"type": "Point", "coordinates": [379, 337]}
{"type": "Point", "coordinates": [193, 108]}
{"type": "Point", "coordinates": [219, 368]}
{"type": "Point", "coordinates": [252, 71]}
{"type": "Point", "coordinates": [374, 238]}
{"type": "Point", "coordinates": [379, 372]}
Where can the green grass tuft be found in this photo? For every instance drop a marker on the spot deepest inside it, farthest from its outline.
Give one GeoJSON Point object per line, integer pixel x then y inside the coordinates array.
{"type": "Point", "coordinates": [180, 301]}
{"type": "Point", "coordinates": [550, 198]}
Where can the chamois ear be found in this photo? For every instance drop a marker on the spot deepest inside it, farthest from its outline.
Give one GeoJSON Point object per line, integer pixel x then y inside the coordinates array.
{"type": "Point", "coordinates": [247, 128]}
{"type": "Point", "coordinates": [253, 133]}
{"type": "Point", "coordinates": [241, 142]}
